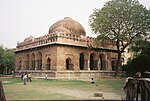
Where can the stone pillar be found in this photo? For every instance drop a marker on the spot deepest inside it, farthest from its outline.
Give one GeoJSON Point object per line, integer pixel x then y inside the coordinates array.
{"type": "Point", "coordinates": [30, 64]}
{"type": "Point", "coordinates": [85, 65]}
{"type": "Point", "coordinates": [99, 64]}
{"type": "Point", "coordinates": [36, 64]}
{"type": "Point", "coordinates": [88, 65]}
{"type": "Point", "coordinates": [106, 65]}
{"type": "Point", "coordinates": [75, 62]}
{"type": "Point", "coordinates": [51, 66]}
{"type": "Point", "coordinates": [109, 65]}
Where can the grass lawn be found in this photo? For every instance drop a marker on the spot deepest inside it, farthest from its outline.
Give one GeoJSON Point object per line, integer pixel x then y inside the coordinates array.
{"type": "Point", "coordinates": [41, 89]}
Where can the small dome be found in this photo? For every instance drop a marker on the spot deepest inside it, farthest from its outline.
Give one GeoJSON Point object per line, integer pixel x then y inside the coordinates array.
{"type": "Point", "coordinates": [29, 39]}
{"type": "Point", "coordinates": [68, 25]}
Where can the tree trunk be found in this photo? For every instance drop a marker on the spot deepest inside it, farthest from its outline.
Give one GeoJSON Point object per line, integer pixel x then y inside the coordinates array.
{"type": "Point", "coordinates": [118, 64]}
{"type": "Point", "coordinates": [5, 70]}
{"type": "Point", "coordinates": [2, 94]}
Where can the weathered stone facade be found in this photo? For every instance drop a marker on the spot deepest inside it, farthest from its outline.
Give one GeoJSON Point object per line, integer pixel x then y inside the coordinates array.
{"type": "Point", "coordinates": [65, 52]}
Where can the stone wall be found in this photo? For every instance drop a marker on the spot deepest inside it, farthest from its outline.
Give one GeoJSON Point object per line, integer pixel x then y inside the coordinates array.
{"type": "Point", "coordinates": [87, 75]}
{"type": "Point", "coordinates": [58, 55]}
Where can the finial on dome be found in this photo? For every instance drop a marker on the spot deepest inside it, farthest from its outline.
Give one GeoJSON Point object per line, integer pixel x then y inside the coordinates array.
{"type": "Point", "coordinates": [67, 18]}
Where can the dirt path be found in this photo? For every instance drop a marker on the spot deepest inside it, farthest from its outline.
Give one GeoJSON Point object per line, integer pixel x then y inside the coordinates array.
{"type": "Point", "coordinates": [81, 94]}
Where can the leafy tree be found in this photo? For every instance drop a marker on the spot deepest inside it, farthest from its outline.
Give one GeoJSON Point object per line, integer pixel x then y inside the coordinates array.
{"type": "Point", "coordinates": [1, 58]}
{"type": "Point", "coordinates": [7, 59]}
{"type": "Point", "coordinates": [141, 59]}
{"type": "Point", "coordinates": [1, 53]}
{"type": "Point", "coordinates": [122, 21]}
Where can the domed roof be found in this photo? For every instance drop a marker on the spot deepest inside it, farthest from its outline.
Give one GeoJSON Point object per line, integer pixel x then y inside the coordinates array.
{"type": "Point", "coordinates": [68, 25]}
{"type": "Point", "coordinates": [61, 29]}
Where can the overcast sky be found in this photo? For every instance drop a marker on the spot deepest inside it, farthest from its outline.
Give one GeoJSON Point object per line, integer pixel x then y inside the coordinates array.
{"type": "Point", "coordinates": [21, 18]}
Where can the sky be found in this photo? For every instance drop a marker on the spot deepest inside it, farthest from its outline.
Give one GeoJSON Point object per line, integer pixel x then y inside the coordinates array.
{"type": "Point", "coordinates": [21, 18]}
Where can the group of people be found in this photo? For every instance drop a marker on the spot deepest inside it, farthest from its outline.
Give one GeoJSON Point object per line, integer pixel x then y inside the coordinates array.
{"type": "Point", "coordinates": [26, 77]}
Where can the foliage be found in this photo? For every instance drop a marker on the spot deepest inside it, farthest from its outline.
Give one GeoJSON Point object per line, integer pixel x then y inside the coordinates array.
{"type": "Point", "coordinates": [141, 60]}
{"type": "Point", "coordinates": [1, 54]}
{"type": "Point", "coordinates": [122, 21]}
{"type": "Point", "coordinates": [7, 59]}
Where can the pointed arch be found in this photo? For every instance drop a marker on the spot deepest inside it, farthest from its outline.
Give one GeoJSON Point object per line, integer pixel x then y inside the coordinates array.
{"type": "Point", "coordinates": [103, 62]}
{"type": "Point", "coordinates": [93, 62]}
{"type": "Point", "coordinates": [81, 61]}
{"type": "Point", "coordinates": [48, 64]}
{"type": "Point", "coordinates": [69, 65]}
{"type": "Point", "coordinates": [39, 61]}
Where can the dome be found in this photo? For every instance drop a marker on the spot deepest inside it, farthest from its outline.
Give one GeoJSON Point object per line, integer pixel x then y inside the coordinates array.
{"type": "Point", "coordinates": [68, 25]}
{"type": "Point", "coordinates": [29, 39]}
{"type": "Point", "coordinates": [61, 29]}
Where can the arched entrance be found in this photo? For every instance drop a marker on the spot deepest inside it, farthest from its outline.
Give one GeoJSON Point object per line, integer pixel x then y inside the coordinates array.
{"type": "Point", "coordinates": [81, 61]}
{"type": "Point", "coordinates": [93, 62]}
{"type": "Point", "coordinates": [32, 61]}
{"type": "Point", "coordinates": [48, 64]}
{"type": "Point", "coordinates": [103, 62]}
{"type": "Point", "coordinates": [69, 65]}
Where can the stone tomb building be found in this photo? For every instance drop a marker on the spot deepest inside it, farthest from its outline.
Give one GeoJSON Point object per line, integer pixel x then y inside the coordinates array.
{"type": "Point", "coordinates": [65, 52]}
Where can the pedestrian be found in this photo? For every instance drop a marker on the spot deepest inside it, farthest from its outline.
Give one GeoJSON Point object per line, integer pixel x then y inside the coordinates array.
{"type": "Point", "coordinates": [92, 80]}
{"type": "Point", "coordinates": [25, 78]}
{"type": "Point", "coordinates": [29, 77]}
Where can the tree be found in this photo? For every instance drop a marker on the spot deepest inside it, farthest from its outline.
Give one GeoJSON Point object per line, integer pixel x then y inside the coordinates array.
{"type": "Point", "coordinates": [122, 21]}
{"type": "Point", "coordinates": [7, 59]}
{"type": "Point", "coordinates": [1, 58]}
{"type": "Point", "coordinates": [141, 59]}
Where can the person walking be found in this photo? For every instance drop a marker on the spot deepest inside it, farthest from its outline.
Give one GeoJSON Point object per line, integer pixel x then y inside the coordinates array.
{"type": "Point", "coordinates": [25, 78]}
{"type": "Point", "coordinates": [29, 77]}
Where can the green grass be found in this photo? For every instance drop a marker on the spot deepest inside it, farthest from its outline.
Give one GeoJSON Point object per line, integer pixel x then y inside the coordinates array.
{"type": "Point", "coordinates": [58, 89]}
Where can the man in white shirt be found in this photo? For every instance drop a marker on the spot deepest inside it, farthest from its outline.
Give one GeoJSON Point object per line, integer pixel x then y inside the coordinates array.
{"type": "Point", "coordinates": [25, 78]}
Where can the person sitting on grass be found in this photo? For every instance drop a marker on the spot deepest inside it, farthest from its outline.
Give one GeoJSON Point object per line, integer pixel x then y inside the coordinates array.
{"type": "Point", "coordinates": [92, 80]}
